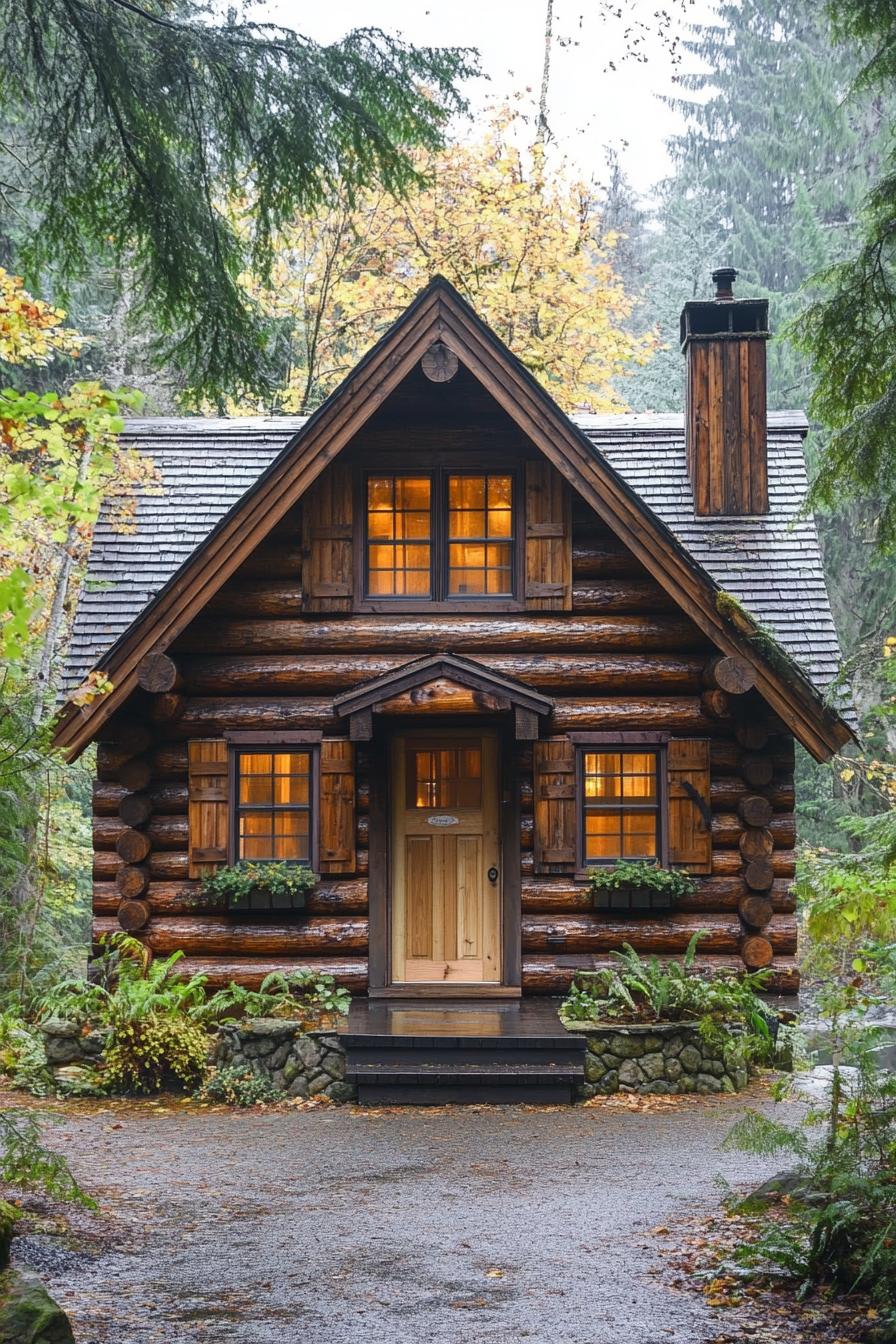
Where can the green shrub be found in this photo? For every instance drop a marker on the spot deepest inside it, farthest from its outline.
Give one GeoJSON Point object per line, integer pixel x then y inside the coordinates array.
{"type": "Point", "coordinates": [642, 874]}
{"type": "Point", "coordinates": [22, 1056]}
{"type": "Point", "coordinates": [297, 994]}
{"type": "Point", "coordinates": [725, 1007]}
{"type": "Point", "coordinates": [27, 1164]}
{"type": "Point", "coordinates": [238, 881]}
{"type": "Point", "coordinates": [238, 1086]}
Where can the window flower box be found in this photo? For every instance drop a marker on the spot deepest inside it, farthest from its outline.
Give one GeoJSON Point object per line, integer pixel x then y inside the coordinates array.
{"type": "Point", "coordinates": [258, 888]}
{"type": "Point", "coordinates": [637, 888]}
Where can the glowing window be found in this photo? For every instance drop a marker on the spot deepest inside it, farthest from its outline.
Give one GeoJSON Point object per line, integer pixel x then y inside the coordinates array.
{"type": "Point", "coordinates": [273, 813]}
{"type": "Point", "coordinates": [621, 805]}
{"type": "Point", "coordinates": [399, 542]}
{"type": "Point", "coordinates": [480, 536]}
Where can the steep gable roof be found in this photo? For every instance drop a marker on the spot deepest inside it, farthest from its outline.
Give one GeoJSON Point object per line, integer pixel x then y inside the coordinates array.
{"type": "Point", "coordinates": [439, 313]}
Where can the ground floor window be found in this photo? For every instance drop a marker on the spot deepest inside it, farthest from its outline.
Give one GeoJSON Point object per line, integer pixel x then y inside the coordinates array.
{"type": "Point", "coordinates": [273, 813]}
{"type": "Point", "coordinates": [619, 791]}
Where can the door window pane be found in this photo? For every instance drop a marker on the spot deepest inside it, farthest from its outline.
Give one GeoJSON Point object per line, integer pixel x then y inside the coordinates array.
{"type": "Point", "coordinates": [448, 776]}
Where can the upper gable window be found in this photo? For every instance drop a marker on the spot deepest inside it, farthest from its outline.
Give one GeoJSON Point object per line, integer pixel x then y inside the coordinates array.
{"type": "Point", "coordinates": [447, 536]}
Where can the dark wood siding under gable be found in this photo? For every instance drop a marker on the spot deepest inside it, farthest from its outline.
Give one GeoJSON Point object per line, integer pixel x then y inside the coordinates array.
{"type": "Point", "coordinates": [605, 643]}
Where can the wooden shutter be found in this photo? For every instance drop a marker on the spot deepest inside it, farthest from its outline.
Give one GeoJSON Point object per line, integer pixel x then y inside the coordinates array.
{"type": "Point", "coordinates": [337, 805]}
{"type": "Point", "coordinates": [327, 542]}
{"type": "Point", "coordinates": [548, 539]}
{"type": "Point", "coordinates": [555, 805]}
{"type": "Point", "coordinates": [690, 818]}
{"type": "Point", "coordinates": [208, 809]}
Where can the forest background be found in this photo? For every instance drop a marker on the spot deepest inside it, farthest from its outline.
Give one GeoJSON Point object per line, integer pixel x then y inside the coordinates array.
{"type": "Point", "coordinates": [583, 279]}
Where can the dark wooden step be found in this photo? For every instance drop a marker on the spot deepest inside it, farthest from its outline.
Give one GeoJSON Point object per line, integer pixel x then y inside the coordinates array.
{"type": "Point", "coordinates": [449, 1093]}
{"type": "Point", "coordinates": [462, 1074]}
{"type": "Point", "coordinates": [405, 1055]}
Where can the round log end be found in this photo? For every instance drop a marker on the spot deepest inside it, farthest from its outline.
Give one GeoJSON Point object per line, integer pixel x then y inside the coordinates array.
{"type": "Point", "coordinates": [133, 915]}
{"type": "Point", "coordinates": [131, 881]}
{"type": "Point", "coordinates": [716, 704]}
{"type": "Point", "coordinates": [759, 874]}
{"type": "Point", "coordinates": [132, 735]}
{"type": "Point", "coordinates": [756, 952]}
{"type": "Point", "coordinates": [755, 911]}
{"type": "Point", "coordinates": [751, 736]}
{"type": "Point", "coordinates": [754, 810]}
{"type": "Point", "coordinates": [157, 673]}
{"type": "Point", "coordinates": [132, 846]}
{"type": "Point", "coordinates": [135, 774]}
{"type": "Point", "coordinates": [734, 675]}
{"type": "Point", "coordinates": [756, 842]}
{"type": "Point", "coordinates": [135, 809]}
{"type": "Point", "coordinates": [167, 707]}
{"type": "Point", "coordinates": [757, 769]}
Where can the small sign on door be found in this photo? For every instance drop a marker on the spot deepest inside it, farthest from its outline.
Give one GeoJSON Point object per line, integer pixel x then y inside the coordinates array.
{"type": "Point", "coordinates": [442, 819]}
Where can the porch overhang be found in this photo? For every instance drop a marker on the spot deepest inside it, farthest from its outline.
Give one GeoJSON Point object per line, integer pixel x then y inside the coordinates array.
{"type": "Point", "coordinates": [442, 684]}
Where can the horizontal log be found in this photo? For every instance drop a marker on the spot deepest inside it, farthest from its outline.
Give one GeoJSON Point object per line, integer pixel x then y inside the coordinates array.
{"type": "Point", "coordinates": [725, 755]}
{"type": "Point", "coordinates": [679, 714]}
{"type": "Point", "coordinates": [612, 595]}
{"type": "Point", "coordinates": [542, 975]}
{"type": "Point", "coordinates": [273, 596]}
{"type": "Point", "coordinates": [728, 792]}
{"type": "Point", "coordinates": [162, 832]}
{"type": "Point", "coordinates": [349, 972]}
{"type": "Point", "coordinates": [727, 829]}
{"type": "Point", "coordinates": [562, 895]}
{"type": "Point", "coordinates": [164, 865]}
{"type": "Point", "coordinates": [668, 933]}
{"type": "Point", "coordinates": [165, 762]}
{"type": "Point", "coordinates": [600, 555]}
{"type": "Point", "coordinates": [316, 674]}
{"type": "Point", "coordinates": [157, 673]}
{"type": "Point", "coordinates": [168, 707]}
{"type": "Point", "coordinates": [728, 863]}
{"type": "Point", "coordinates": [221, 935]}
{"type": "Point", "coordinates": [442, 696]}
{"type": "Point", "coordinates": [130, 734]}
{"type": "Point", "coordinates": [170, 799]}
{"type": "Point", "coordinates": [463, 634]}
{"type": "Point", "coordinates": [186, 898]}
{"type": "Point", "coordinates": [214, 714]}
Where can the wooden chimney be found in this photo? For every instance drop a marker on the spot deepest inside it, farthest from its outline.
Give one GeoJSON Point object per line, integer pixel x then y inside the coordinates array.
{"type": "Point", "coordinates": [723, 341]}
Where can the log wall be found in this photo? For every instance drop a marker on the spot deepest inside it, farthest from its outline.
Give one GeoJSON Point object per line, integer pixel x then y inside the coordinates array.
{"type": "Point", "coordinates": [621, 660]}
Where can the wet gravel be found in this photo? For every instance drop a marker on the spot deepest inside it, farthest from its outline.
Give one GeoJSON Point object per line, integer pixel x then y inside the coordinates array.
{"type": "Point", "coordinates": [337, 1226]}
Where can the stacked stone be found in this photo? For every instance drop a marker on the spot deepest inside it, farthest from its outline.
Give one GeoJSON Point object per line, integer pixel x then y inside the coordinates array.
{"type": "Point", "coordinates": [298, 1063]}
{"type": "Point", "coordinates": [75, 1058]}
{"type": "Point", "coordinates": [664, 1058]}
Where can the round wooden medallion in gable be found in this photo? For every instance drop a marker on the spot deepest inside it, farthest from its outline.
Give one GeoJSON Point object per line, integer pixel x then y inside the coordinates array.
{"type": "Point", "coordinates": [439, 363]}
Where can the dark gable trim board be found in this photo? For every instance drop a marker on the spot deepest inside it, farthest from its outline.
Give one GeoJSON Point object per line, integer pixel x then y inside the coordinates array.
{"type": "Point", "coordinates": [439, 313]}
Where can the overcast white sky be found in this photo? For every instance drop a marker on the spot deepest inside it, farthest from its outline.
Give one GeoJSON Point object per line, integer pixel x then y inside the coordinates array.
{"type": "Point", "coordinates": [590, 105]}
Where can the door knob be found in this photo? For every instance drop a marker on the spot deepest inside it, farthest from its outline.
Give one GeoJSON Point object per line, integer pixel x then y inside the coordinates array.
{"type": "Point", "coordinates": [492, 874]}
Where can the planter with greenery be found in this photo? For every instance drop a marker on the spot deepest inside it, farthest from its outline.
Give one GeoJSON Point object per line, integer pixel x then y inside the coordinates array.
{"type": "Point", "coordinates": [638, 888]}
{"type": "Point", "coordinates": [248, 886]}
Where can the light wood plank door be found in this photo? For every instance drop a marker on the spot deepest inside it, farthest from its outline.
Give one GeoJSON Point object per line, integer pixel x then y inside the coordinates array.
{"type": "Point", "coordinates": [446, 862]}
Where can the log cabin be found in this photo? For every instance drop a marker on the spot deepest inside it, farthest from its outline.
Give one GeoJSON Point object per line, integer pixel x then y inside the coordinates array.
{"type": "Point", "coordinates": [452, 648]}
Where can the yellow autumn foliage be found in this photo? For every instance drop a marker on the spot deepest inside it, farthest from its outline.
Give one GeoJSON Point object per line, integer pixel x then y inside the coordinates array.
{"type": "Point", "coordinates": [520, 241]}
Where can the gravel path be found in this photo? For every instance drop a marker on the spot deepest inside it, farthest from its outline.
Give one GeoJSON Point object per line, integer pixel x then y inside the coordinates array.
{"type": "Point", "coordinates": [336, 1226]}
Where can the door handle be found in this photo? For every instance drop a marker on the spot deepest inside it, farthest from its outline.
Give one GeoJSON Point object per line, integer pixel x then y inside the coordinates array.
{"type": "Point", "coordinates": [492, 875]}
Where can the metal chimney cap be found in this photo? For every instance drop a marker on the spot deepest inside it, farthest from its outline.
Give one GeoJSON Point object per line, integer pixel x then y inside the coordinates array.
{"type": "Point", "coordinates": [723, 278]}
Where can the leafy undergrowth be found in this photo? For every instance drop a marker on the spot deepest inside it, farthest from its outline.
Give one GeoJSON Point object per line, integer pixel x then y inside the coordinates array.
{"type": "Point", "coordinates": [703, 1257]}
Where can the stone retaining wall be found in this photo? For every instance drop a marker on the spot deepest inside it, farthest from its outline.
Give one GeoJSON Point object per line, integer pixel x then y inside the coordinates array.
{"type": "Point", "coordinates": [301, 1064]}
{"type": "Point", "coordinates": [661, 1058]}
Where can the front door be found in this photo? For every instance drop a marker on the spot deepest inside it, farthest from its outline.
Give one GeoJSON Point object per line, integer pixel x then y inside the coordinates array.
{"type": "Point", "coordinates": [446, 862]}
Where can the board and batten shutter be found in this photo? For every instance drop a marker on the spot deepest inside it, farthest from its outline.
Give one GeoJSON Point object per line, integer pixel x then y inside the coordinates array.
{"type": "Point", "coordinates": [689, 815]}
{"type": "Point", "coordinates": [327, 545]}
{"type": "Point", "coordinates": [548, 539]}
{"type": "Point", "coordinates": [554, 761]}
{"type": "Point", "coordinates": [208, 808]}
{"type": "Point", "coordinates": [337, 806]}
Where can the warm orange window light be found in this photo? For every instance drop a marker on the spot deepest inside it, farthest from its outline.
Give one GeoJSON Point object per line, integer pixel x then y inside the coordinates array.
{"type": "Point", "coordinates": [274, 805]}
{"type": "Point", "coordinates": [445, 777]}
{"type": "Point", "coordinates": [480, 536]}
{"type": "Point", "coordinates": [399, 544]}
{"type": "Point", "coordinates": [621, 805]}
